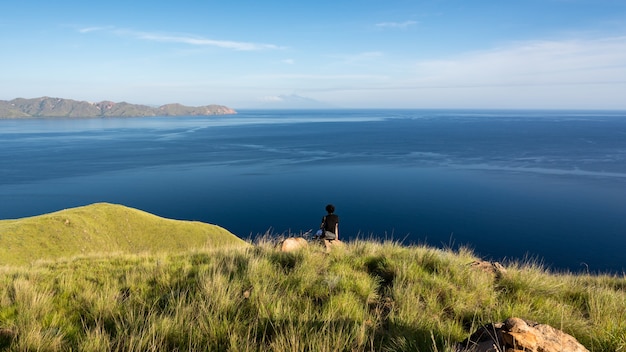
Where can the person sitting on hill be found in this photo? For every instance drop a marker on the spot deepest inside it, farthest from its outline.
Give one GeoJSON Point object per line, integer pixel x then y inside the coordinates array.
{"type": "Point", "coordinates": [329, 229]}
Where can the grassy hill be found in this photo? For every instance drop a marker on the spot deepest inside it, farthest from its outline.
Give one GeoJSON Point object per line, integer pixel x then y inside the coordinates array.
{"type": "Point", "coordinates": [127, 280]}
{"type": "Point", "coordinates": [365, 296]}
{"type": "Point", "coordinates": [103, 228]}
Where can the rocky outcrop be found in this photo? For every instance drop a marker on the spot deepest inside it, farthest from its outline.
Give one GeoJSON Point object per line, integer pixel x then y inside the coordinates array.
{"type": "Point", "coordinates": [330, 244]}
{"type": "Point", "coordinates": [518, 335]}
{"type": "Point", "coordinates": [293, 244]}
{"type": "Point", "coordinates": [296, 243]}
{"type": "Point", "coordinates": [494, 268]}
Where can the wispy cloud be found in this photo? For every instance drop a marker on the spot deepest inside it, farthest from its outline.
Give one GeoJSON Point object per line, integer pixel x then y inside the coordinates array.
{"type": "Point", "coordinates": [183, 39]}
{"type": "Point", "coordinates": [94, 29]}
{"type": "Point", "coordinates": [580, 61]}
{"type": "Point", "coordinates": [404, 24]}
{"type": "Point", "coordinates": [581, 73]}
{"type": "Point", "coordinates": [289, 61]}
{"type": "Point", "coordinates": [199, 41]}
{"type": "Point", "coordinates": [318, 77]}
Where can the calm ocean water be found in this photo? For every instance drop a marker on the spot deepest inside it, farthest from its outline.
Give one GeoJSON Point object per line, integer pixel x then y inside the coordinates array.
{"type": "Point", "coordinates": [549, 185]}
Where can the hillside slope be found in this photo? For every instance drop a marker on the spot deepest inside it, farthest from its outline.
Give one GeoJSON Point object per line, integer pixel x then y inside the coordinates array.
{"type": "Point", "coordinates": [58, 107]}
{"type": "Point", "coordinates": [363, 296]}
{"type": "Point", "coordinates": [103, 228]}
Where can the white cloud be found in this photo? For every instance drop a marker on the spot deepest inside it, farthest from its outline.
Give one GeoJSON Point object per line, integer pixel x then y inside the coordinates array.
{"type": "Point", "coordinates": [317, 77]}
{"type": "Point", "coordinates": [582, 73]}
{"type": "Point", "coordinates": [203, 41]}
{"type": "Point", "coordinates": [289, 61]}
{"type": "Point", "coordinates": [184, 39]}
{"type": "Point", "coordinates": [532, 63]}
{"type": "Point", "coordinates": [404, 24]}
{"type": "Point", "coordinates": [93, 29]}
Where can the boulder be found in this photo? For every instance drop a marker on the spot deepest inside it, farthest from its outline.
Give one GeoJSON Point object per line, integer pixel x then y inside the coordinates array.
{"type": "Point", "coordinates": [293, 244]}
{"type": "Point", "coordinates": [519, 335]}
{"type": "Point", "coordinates": [330, 244]}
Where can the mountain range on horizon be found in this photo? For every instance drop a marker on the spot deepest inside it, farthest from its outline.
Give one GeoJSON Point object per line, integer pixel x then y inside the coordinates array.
{"type": "Point", "coordinates": [59, 107]}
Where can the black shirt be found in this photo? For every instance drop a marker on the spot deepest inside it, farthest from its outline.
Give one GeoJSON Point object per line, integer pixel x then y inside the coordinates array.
{"type": "Point", "coordinates": [330, 222]}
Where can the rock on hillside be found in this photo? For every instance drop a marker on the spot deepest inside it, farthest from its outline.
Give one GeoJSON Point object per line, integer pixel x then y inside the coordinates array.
{"type": "Point", "coordinates": [58, 107]}
{"type": "Point", "coordinates": [516, 334]}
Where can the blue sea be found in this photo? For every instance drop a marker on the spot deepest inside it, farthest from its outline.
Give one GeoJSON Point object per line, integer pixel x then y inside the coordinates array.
{"type": "Point", "coordinates": [512, 185]}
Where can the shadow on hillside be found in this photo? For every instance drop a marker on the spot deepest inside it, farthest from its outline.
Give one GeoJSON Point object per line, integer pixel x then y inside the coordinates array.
{"type": "Point", "coordinates": [385, 336]}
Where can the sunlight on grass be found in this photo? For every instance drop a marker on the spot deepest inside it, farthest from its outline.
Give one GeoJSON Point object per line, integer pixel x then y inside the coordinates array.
{"type": "Point", "coordinates": [103, 228]}
{"type": "Point", "coordinates": [368, 296]}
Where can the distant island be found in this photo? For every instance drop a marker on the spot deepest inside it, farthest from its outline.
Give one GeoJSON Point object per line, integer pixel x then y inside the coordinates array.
{"type": "Point", "coordinates": [58, 107]}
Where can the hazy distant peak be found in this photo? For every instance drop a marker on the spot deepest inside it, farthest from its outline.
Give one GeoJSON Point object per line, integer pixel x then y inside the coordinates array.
{"type": "Point", "coordinates": [292, 101]}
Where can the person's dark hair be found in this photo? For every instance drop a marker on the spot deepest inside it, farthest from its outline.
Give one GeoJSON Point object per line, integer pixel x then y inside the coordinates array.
{"type": "Point", "coordinates": [330, 208]}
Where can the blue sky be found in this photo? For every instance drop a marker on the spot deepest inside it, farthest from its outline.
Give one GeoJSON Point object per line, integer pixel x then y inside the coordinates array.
{"type": "Point", "coordinates": [348, 54]}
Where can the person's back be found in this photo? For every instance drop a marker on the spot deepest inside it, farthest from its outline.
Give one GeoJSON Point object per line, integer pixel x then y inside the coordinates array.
{"type": "Point", "coordinates": [330, 224]}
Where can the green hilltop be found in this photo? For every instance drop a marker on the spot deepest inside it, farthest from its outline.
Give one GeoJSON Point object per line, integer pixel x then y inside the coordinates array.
{"type": "Point", "coordinates": [103, 228]}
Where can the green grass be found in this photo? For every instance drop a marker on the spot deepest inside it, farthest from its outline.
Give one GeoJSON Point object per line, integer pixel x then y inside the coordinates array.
{"type": "Point", "coordinates": [366, 296]}
{"type": "Point", "coordinates": [110, 278]}
{"type": "Point", "coordinates": [102, 228]}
